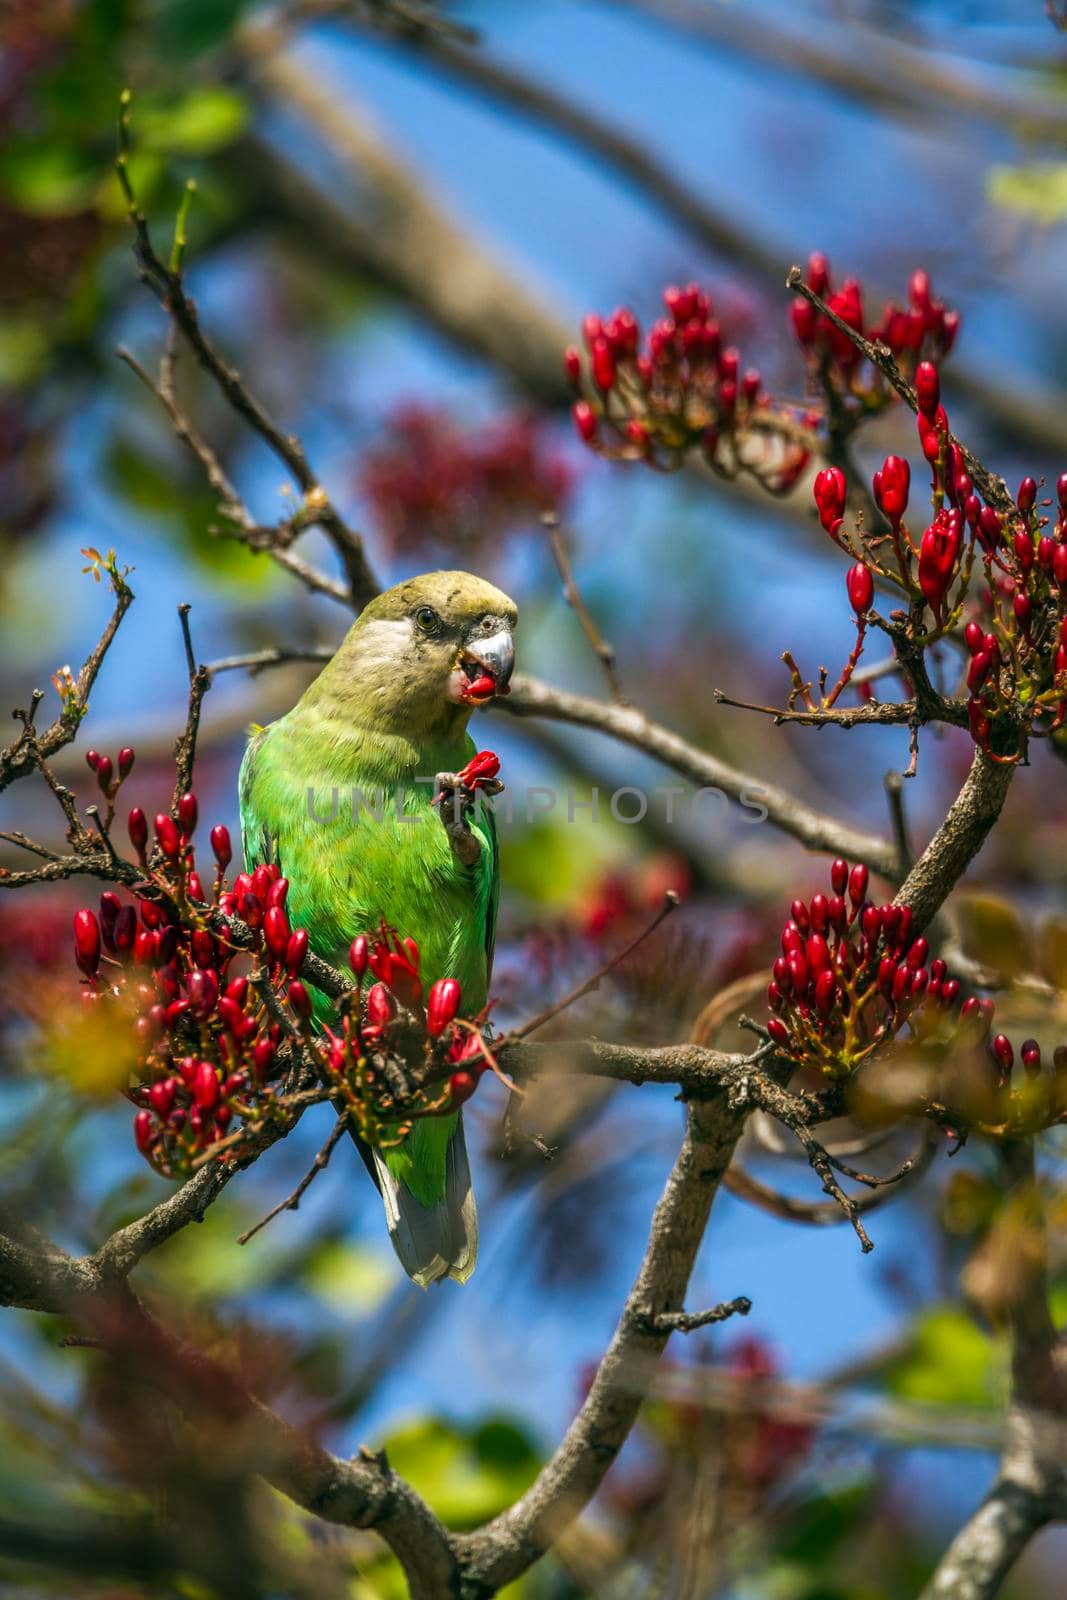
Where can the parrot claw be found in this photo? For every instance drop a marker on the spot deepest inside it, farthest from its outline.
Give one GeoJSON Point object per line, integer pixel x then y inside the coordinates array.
{"type": "Point", "coordinates": [456, 800]}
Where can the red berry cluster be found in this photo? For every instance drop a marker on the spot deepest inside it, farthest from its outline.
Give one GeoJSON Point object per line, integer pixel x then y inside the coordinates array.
{"type": "Point", "coordinates": [396, 1054]}
{"type": "Point", "coordinates": [681, 389]}
{"type": "Point", "coordinates": [431, 483]}
{"type": "Point", "coordinates": [1018, 641]}
{"type": "Point", "coordinates": [1035, 1100]}
{"type": "Point", "coordinates": [851, 975]}
{"type": "Point", "coordinates": [208, 1044]}
{"type": "Point", "coordinates": [923, 330]}
{"type": "Point", "coordinates": [211, 1040]}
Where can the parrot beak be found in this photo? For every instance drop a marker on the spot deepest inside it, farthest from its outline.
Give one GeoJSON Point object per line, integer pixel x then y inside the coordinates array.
{"type": "Point", "coordinates": [486, 665]}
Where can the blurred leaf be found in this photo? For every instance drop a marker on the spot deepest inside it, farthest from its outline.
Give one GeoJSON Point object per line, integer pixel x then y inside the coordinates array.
{"type": "Point", "coordinates": [467, 1474]}
{"type": "Point", "coordinates": [196, 124]}
{"type": "Point", "coordinates": [150, 488]}
{"type": "Point", "coordinates": [992, 933]}
{"type": "Point", "coordinates": [968, 1203]}
{"type": "Point", "coordinates": [190, 27]}
{"type": "Point", "coordinates": [207, 1261]}
{"type": "Point", "coordinates": [47, 179]}
{"type": "Point", "coordinates": [553, 863]}
{"type": "Point", "coordinates": [951, 1362]}
{"type": "Point", "coordinates": [1038, 191]}
{"type": "Point", "coordinates": [24, 348]}
{"type": "Point", "coordinates": [822, 1522]}
{"type": "Point", "coordinates": [349, 1278]}
{"type": "Point", "coordinates": [1052, 951]}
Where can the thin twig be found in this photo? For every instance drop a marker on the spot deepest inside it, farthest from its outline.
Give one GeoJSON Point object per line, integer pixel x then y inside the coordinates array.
{"type": "Point", "coordinates": [690, 1321]}
{"type": "Point", "coordinates": [292, 1201]}
{"type": "Point", "coordinates": [199, 684]}
{"type": "Point", "coordinates": [604, 652]}
{"type": "Point", "coordinates": [670, 903]}
{"type": "Point", "coordinates": [894, 790]}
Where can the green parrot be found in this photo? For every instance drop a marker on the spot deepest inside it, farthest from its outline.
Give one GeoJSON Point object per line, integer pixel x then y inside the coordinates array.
{"type": "Point", "coordinates": [339, 794]}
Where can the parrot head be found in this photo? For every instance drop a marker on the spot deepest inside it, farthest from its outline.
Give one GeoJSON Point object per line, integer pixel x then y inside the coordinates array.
{"type": "Point", "coordinates": [430, 650]}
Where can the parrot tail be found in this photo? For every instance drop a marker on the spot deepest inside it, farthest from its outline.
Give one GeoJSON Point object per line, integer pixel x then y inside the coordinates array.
{"type": "Point", "coordinates": [440, 1241]}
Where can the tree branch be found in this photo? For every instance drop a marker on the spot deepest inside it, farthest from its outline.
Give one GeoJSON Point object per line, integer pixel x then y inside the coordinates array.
{"type": "Point", "coordinates": [503, 1550]}
{"type": "Point", "coordinates": [530, 698]}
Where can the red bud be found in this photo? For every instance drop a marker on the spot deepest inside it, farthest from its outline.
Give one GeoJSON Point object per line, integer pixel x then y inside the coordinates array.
{"type": "Point", "coordinates": [442, 1007]}
{"type": "Point", "coordinates": [276, 931]}
{"type": "Point", "coordinates": [296, 950]}
{"type": "Point", "coordinates": [87, 942]}
{"type": "Point", "coordinates": [860, 588]}
{"type": "Point", "coordinates": [168, 836]}
{"type": "Point", "coordinates": [299, 999]}
{"type": "Point", "coordinates": [137, 828]}
{"type": "Point", "coordinates": [220, 844]}
{"type": "Point", "coordinates": [927, 389]}
{"type": "Point", "coordinates": [188, 812]}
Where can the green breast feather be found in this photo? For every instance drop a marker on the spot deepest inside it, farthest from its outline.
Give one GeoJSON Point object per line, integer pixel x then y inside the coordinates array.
{"type": "Point", "coordinates": [343, 813]}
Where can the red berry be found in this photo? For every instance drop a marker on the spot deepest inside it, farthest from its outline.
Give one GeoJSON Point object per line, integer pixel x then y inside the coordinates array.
{"type": "Point", "coordinates": [220, 844]}
{"type": "Point", "coordinates": [860, 584]}
{"type": "Point", "coordinates": [359, 954]}
{"type": "Point", "coordinates": [584, 420]}
{"type": "Point", "coordinates": [137, 828]}
{"type": "Point", "coordinates": [442, 1006]}
{"type": "Point", "coordinates": [188, 812]}
{"type": "Point", "coordinates": [205, 1086]}
{"type": "Point", "coordinates": [379, 1005]}
{"type": "Point", "coordinates": [296, 950]}
{"type": "Point", "coordinates": [927, 389]}
{"type": "Point", "coordinates": [299, 999]}
{"type": "Point", "coordinates": [461, 1086]}
{"type": "Point", "coordinates": [167, 834]}
{"type": "Point", "coordinates": [276, 931]}
{"type": "Point", "coordinates": [87, 942]}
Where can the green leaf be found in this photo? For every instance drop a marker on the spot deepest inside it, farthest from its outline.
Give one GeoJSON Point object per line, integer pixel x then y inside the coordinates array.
{"type": "Point", "coordinates": [350, 1278]}
{"type": "Point", "coordinates": [1052, 951]}
{"type": "Point", "coordinates": [467, 1474]}
{"type": "Point", "coordinates": [992, 932]}
{"type": "Point", "coordinates": [1038, 191]}
{"type": "Point", "coordinates": [150, 488]}
{"type": "Point", "coordinates": [47, 179]}
{"type": "Point", "coordinates": [24, 347]}
{"type": "Point", "coordinates": [951, 1362]}
{"type": "Point", "coordinates": [189, 27]}
{"type": "Point", "coordinates": [195, 124]}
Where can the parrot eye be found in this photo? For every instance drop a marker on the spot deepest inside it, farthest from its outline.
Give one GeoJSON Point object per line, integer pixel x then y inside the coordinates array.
{"type": "Point", "coordinates": [427, 619]}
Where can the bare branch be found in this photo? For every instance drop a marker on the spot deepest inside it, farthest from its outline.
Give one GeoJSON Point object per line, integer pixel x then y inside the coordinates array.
{"type": "Point", "coordinates": [530, 698]}
{"type": "Point", "coordinates": [958, 840]}
{"type": "Point", "coordinates": [604, 652]}
{"type": "Point", "coordinates": [500, 1552]}
{"type": "Point", "coordinates": [691, 1321]}
{"type": "Point", "coordinates": [169, 289]}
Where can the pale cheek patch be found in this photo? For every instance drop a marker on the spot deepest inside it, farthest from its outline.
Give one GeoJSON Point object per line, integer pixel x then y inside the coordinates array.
{"type": "Point", "coordinates": [456, 686]}
{"type": "Point", "coordinates": [385, 643]}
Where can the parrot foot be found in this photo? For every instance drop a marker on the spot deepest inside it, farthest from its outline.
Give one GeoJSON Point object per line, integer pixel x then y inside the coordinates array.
{"type": "Point", "coordinates": [456, 800]}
